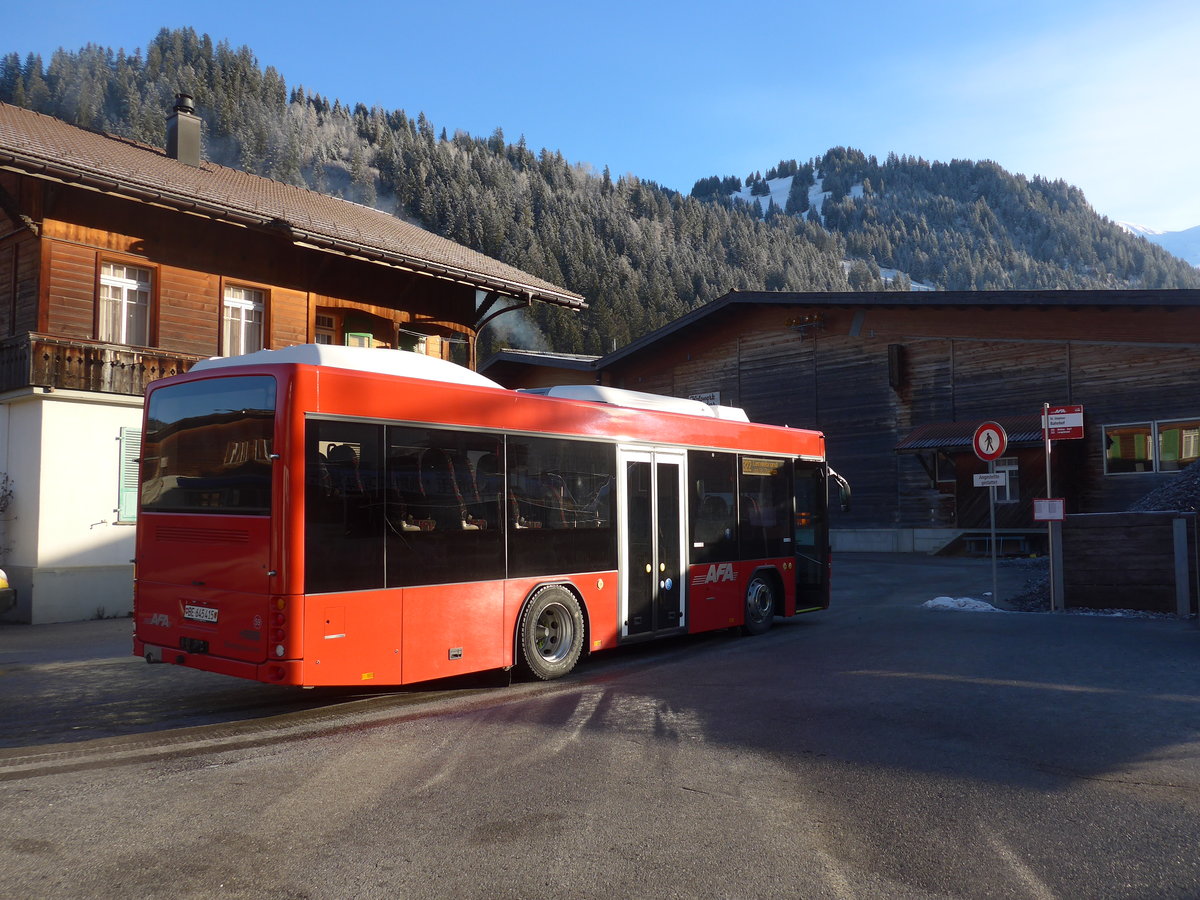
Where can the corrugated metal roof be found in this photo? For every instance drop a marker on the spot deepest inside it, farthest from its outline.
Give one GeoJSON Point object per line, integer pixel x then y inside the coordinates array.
{"type": "Point", "coordinates": [1021, 430]}
{"type": "Point", "coordinates": [581, 361]}
{"type": "Point", "coordinates": [46, 147]}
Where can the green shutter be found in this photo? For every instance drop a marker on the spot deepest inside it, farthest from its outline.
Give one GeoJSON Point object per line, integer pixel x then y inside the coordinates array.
{"type": "Point", "coordinates": [127, 492]}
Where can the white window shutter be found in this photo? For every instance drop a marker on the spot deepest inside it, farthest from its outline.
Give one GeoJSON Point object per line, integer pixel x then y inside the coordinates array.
{"type": "Point", "coordinates": [130, 475]}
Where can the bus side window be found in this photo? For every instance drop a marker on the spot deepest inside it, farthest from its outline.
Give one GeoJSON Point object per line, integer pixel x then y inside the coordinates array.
{"type": "Point", "coordinates": [565, 521]}
{"type": "Point", "coordinates": [344, 526]}
{"type": "Point", "coordinates": [766, 507]}
{"type": "Point", "coordinates": [440, 528]}
{"type": "Point", "coordinates": [712, 506]}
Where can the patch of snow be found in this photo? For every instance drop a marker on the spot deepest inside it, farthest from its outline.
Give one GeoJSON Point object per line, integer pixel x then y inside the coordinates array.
{"type": "Point", "coordinates": [967, 604]}
{"type": "Point", "coordinates": [1118, 613]}
{"type": "Point", "coordinates": [780, 188]}
{"type": "Point", "coordinates": [890, 275]}
{"type": "Point", "coordinates": [817, 195]}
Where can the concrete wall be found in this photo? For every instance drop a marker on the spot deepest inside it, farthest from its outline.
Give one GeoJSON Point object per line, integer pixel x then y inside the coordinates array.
{"type": "Point", "coordinates": [891, 540]}
{"type": "Point", "coordinates": [66, 555]}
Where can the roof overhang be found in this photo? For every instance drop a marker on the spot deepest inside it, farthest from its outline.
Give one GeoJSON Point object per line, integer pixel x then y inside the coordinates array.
{"type": "Point", "coordinates": [958, 437]}
{"type": "Point", "coordinates": [866, 300]}
{"type": "Point", "coordinates": [75, 175]}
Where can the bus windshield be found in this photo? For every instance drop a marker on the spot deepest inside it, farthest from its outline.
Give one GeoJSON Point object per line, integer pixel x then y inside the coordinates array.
{"type": "Point", "coordinates": [207, 447]}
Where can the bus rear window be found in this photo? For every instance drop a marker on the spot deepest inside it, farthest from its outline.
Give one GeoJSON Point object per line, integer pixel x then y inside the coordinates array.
{"type": "Point", "coordinates": [207, 447]}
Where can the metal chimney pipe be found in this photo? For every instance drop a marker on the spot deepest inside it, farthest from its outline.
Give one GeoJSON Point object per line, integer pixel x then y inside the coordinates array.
{"type": "Point", "coordinates": [183, 131]}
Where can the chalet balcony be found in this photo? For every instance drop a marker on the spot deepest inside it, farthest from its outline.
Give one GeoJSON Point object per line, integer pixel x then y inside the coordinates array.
{"type": "Point", "coordinates": [38, 360]}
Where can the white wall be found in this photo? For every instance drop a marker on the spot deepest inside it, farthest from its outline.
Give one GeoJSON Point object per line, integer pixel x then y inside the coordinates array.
{"type": "Point", "coordinates": [69, 560]}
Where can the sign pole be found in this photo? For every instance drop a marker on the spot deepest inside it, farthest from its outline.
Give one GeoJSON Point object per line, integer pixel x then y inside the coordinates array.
{"type": "Point", "coordinates": [990, 442]}
{"type": "Point", "coordinates": [1049, 493]}
{"type": "Point", "coordinates": [992, 517]}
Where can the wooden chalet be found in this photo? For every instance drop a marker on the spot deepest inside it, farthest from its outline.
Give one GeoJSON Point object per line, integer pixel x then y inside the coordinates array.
{"type": "Point", "coordinates": [121, 263]}
{"type": "Point", "coordinates": [900, 381]}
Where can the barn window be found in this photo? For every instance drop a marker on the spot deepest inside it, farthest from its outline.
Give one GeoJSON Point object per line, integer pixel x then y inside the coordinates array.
{"type": "Point", "coordinates": [1128, 448]}
{"type": "Point", "coordinates": [242, 320]}
{"type": "Point", "coordinates": [1178, 444]}
{"type": "Point", "coordinates": [1011, 492]}
{"type": "Point", "coordinates": [124, 304]}
{"type": "Point", "coordinates": [1164, 446]}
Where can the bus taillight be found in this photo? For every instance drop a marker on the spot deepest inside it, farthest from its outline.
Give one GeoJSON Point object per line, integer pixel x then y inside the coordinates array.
{"type": "Point", "coordinates": [278, 631]}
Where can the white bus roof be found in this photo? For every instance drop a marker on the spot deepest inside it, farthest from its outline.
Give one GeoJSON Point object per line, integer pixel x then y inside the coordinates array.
{"type": "Point", "coordinates": [358, 359]}
{"type": "Point", "coordinates": [428, 368]}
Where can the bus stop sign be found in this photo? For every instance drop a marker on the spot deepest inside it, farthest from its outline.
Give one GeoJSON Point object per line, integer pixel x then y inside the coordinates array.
{"type": "Point", "coordinates": [990, 441]}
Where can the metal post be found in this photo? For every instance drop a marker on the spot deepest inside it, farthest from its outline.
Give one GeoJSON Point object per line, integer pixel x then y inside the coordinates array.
{"type": "Point", "coordinates": [1050, 530]}
{"type": "Point", "coordinates": [992, 517]}
{"type": "Point", "coordinates": [1057, 587]}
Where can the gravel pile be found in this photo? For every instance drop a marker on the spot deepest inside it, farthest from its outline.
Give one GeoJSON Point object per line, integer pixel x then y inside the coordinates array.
{"type": "Point", "coordinates": [1180, 494]}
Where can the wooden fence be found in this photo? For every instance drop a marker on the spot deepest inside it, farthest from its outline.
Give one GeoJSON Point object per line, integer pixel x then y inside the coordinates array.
{"type": "Point", "coordinates": [1131, 560]}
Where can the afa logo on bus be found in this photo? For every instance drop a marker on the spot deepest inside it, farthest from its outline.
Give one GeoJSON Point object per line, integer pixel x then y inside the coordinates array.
{"type": "Point", "coordinates": [717, 572]}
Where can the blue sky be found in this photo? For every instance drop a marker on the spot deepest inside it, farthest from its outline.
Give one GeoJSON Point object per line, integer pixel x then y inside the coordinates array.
{"type": "Point", "coordinates": [1105, 95]}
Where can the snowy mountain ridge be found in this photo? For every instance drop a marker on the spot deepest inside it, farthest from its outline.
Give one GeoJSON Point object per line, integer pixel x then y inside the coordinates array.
{"type": "Point", "coordinates": [1184, 244]}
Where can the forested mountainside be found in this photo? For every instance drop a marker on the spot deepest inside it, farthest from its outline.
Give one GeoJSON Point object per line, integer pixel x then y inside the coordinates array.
{"type": "Point", "coordinates": [959, 226]}
{"type": "Point", "coordinates": [641, 254]}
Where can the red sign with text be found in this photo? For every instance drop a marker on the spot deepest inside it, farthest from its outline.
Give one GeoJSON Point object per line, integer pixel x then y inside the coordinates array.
{"type": "Point", "coordinates": [1064, 423]}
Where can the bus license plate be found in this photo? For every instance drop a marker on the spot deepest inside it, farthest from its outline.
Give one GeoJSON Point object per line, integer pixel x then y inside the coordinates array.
{"type": "Point", "coordinates": [200, 613]}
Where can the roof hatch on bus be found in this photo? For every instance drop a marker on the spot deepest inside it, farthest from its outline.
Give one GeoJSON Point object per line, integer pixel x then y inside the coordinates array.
{"type": "Point", "coordinates": [599, 393]}
{"type": "Point", "coordinates": [402, 363]}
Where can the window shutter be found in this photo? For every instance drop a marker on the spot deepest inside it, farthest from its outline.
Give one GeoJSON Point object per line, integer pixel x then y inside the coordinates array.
{"type": "Point", "coordinates": [127, 491]}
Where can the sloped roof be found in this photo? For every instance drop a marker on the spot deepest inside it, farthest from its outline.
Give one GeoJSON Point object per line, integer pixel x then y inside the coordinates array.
{"type": "Point", "coordinates": [45, 147]}
{"type": "Point", "coordinates": [546, 358]}
{"type": "Point", "coordinates": [731, 303]}
{"type": "Point", "coordinates": [1021, 430]}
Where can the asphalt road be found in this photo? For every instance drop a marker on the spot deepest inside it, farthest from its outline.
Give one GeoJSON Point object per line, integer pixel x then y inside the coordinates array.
{"type": "Point", "coordinates": [876, 750]}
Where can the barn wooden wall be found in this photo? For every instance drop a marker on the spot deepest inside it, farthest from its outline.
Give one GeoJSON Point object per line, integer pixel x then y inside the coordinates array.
{"type": "Point", "coordinates": [828, 368]}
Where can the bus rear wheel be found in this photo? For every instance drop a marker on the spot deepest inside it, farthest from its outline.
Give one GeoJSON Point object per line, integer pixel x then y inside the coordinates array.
{"type": "Point", "coordinates": [760, 605]}
{"type": "Point", "coordinates": [550, 633]}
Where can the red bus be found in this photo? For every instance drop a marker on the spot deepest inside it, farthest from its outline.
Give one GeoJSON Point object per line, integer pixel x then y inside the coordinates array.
{"type": "Point", "coordinates": [323, 515]}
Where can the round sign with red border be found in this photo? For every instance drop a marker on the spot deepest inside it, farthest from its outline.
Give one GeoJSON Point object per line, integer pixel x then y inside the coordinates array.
{"type": "Point", "coordinates": [990, 441]}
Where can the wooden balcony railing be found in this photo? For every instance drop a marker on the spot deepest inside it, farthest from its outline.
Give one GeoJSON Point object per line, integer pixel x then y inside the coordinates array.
{"type": "Point", "coordinates": [39, 360]}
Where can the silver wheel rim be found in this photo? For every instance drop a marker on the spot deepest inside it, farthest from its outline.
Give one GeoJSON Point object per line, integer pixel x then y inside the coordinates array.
{"type": "Point", "coordinates": [554, 633]}
{"type": "Point", "coordinates": [759, 605]}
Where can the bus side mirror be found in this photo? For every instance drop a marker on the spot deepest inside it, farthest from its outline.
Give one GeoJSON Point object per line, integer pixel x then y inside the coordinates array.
{"type": "Point", "coordinates": [843, 490]}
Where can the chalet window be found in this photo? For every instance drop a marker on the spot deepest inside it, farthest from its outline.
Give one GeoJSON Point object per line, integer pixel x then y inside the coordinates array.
{"type": "Point", "coordinates": [412, 341]}
{"type": "Point", "coordinates": [1011, 492]}
{"type": "Point", "coordinates": [124, 304]}
{"type": "Point", "coordinates": [1165, 446]}
{"type": "Point", "coordinates": [243, 320]}
{"type": "Point", "coordinates": [326, 329]}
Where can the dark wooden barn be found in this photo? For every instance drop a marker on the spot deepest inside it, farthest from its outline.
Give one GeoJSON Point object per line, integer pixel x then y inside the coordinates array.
{"type": "Point", "coordinates": [899, 382]}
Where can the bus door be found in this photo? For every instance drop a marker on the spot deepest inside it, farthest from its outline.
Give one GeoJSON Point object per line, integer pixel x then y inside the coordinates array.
{"type": "Point", "coordinates": [811, 537]}
{"type": "Point", "coordinates": [650, 494]}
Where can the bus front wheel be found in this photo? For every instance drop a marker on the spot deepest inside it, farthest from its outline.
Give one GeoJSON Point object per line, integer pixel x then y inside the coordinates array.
{"type": "Point", "coordinates": [760, 605]}
{"type": "Point", "coordinates": [551, 633]}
